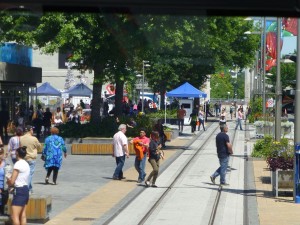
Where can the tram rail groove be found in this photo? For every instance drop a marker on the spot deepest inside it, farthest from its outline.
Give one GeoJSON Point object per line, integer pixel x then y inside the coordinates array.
{"type": "Point", "coordinates": [154, 207]}
{"type": "Point", "coordinates": [218, 196]}
{"type": "Point", "coordinates": [149, 212]}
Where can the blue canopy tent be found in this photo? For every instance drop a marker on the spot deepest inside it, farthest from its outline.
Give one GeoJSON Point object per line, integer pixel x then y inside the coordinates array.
{"type": "Point", "coordinates": [186, 91]}
{"type": "Point", "coordinates": [46, 90]}
{"type": "Point", "coordinates": [80, 90]}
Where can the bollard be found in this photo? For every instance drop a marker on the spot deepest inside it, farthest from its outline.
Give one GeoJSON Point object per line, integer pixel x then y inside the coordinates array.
{"type": "Point", "coordinates": [297, 173]}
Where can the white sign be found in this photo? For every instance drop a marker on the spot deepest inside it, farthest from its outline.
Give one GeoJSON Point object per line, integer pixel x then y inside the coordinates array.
{"type": "Point", "coordinates": [270, 103]}
{"type": "Point", "coordinates": [65, 95]}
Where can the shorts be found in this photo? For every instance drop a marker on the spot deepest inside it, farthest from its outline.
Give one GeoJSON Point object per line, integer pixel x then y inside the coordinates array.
{"type": "Point", "coordinates": [20, 196]}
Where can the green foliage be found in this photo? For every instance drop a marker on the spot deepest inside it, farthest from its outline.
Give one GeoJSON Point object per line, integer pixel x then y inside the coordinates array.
{"type": "Point", "coordinates": [106, 128]}
{"type": "Point", "coordinates": [220, 85]}
{"type": "Point", "coordinates": [279, 155]}
{"type": "Point", "coordinates": [261, 148]}
{"type": "Point", "coordinates": [256, 106]}
{"type": "Point", "coordinates": [160, 114]}
{"type": "Point", "coordinates": [179, 48]}
{"type": "Point", "coordinates": [287, 75]}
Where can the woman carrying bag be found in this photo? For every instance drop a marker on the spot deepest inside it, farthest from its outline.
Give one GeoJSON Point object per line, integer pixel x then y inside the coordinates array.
{"type": "Point", "coordinates": [155, 154]}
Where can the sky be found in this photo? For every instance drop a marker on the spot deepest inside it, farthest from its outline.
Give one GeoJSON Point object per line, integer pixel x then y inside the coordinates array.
{"type": "Point", "coordinates": [289, 45]}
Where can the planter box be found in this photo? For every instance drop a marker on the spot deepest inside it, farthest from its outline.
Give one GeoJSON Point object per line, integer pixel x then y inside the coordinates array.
{"type": "Point", "coordinates": [37, 210]}
{"type": "Point", "coordinates": [96, 149]}
{"type": "Point", "coordinates": [282, 180]}
{"type": "Point", "coordinates": [168, 135]}
{"type": "Point", "coordinates": [261, 131]}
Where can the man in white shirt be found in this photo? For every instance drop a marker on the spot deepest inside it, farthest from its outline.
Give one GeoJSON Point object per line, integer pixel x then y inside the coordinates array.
{"type": "Point", "coordinates": [120, 151]}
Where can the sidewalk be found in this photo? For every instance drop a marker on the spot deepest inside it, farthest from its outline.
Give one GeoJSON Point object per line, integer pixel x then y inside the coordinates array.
{"type": "Point", "coordinates": [271, 210]}
{"type": "Point", "coordinates": [87, 195]}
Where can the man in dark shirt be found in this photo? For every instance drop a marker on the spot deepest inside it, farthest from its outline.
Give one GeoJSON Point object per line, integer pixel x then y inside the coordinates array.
{"type": "Point", "coordinates": [224, 149]}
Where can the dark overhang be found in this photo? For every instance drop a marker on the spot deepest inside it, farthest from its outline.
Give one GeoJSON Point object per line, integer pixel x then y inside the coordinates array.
{"type": "Point", "coordinates": [20, 74]}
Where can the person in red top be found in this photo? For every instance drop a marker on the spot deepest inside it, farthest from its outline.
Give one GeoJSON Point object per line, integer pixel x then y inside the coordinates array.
{"type": "Point", "coordinates": [141, 144]}
{"type": "Point", "coordinates": [181, 113]}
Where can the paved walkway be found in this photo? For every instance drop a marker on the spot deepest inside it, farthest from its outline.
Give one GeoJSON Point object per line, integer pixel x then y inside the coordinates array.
{"type": "Point", "coordinates": [86, 194]}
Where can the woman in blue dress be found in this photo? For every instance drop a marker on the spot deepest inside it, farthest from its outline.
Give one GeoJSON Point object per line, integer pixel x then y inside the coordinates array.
{"type": "Point", "coordinates": [53, 151]}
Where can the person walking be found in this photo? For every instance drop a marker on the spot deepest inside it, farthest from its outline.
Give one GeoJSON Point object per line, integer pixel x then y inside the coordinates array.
{"type": "Point", "coordinates": [33, 147]}
{"type": "Point", "coordinates": [58, 117]}
{"type": "Point", "coordinates": [181, 113]}
{"type": "Point", "coordinates": [20, 179]}
{"type": "Point", "coordinates": [201, 119]}
{"type": "Point", "coordinates": [120, 151]}
{"type": "Point", "coordinates": [222, 120]}
{"type": "Point", "coordinates": [193, 123]}
{"type": "Point", "coordinates": [159, 127]}
{"type": "Point", "coordinates": [231, 110]}
{"type": "Point", "coordinates": [239, 119]}
{"type": "Point", "coordinates": [154, 158]}
{"type": "Point", "coordinates": [38, 121]}
{"type": "Point", "coordinates": [53, 150]}
{"type": "Point", "coordinates": [13, 144]}
{"type": "Point", "coordinates": [141, 144]}
{"type": "Point", "coordinates": [47, 120]}
{"type": "Point", "coordinates": [224, 150]}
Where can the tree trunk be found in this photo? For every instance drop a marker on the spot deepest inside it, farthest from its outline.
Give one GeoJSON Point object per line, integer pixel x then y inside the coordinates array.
{"type": "Point", "coordinates": [162, 97]}
{"type": "Point", "coordinates": [119, 96]}
{"type": "Point", "coordinates": [97, 89]}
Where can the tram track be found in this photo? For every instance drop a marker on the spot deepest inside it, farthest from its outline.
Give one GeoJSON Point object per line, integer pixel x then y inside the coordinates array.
{"type": "Point", "coordinates": [157, 204]}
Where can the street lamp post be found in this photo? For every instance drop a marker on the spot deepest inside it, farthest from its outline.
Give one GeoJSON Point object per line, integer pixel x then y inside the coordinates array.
{"type": "Point", "coordinates": [228, 96]}
{"type": "Point", "coordinates": [145, 64]}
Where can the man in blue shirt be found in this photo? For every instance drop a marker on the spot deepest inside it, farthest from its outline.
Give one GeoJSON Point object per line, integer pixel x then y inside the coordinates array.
{"type": "Point", "coordinates": [224, 149]}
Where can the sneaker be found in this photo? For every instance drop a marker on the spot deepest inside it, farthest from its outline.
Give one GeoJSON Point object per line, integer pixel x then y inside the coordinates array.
{"type": "Point", "coordinates": [47, 180]}
{"type": "Point", "coordinates": [147, 183]}
{"type": "Point", "coordinates": [115, 178]}
{"type": "Point", "coordinates": [154, 186]}
{"type": "Point", "coordinates": [213, 179]}
{"type": "Point", "coordinates": [139, 181]}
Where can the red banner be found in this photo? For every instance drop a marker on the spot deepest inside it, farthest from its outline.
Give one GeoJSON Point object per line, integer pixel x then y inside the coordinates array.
{"type": "Point", "coordinates": [290, 24]}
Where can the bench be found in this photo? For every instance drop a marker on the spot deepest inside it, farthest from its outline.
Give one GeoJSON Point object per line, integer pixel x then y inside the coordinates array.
{"type": "Point", "coordinates": [37, 210]}
{"type": "Point", "coordinates": [95, 149]}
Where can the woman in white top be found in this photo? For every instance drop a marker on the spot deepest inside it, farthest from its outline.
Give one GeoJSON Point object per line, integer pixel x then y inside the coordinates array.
{"type": "Point", "coordinates": [19, 180]}
{"type": "Point", "coordinates": [13, 144]}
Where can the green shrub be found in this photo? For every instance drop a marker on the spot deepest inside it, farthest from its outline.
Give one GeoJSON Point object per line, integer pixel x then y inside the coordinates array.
{"type": "Point", "coordinates": [268, 147]}
{"type": "Point", "coordinates": [106, 128]}
{"type": "Point", "coordinates": [261, 148]}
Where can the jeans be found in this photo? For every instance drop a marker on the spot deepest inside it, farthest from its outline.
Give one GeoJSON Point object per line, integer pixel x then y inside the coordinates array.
{"type": "Point", "coordinates": [201, 122]}
{"type": "Point", "coordinates": [120, 161]}
{"type": "Point", "coordinates": [180, 124]}
{"type": "Point", "coordinates": [222, 169]}
{"type": "Point", "coordinates": [140, 167]}
{"type": "Point", "coordinates": [32, 168]}
{"type": "Point", "coordinates": [239, 122]}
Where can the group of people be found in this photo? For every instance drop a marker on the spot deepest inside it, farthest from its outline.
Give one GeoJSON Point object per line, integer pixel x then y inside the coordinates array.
{"type": "Point", "coordinates": [22, 152]}
{"type": "Point", "coordinates": [196, 119]}
{"type": "Point", "coordinates": [144, 147]}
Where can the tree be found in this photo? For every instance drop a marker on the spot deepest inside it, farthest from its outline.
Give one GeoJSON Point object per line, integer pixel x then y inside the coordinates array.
{"type": "Point", "coordinates": [188, 48]}
{"type": "Point", "coordinates": [287, 74]}
{"type": "Point", "coordinates": [221, 84]}
{"type": "Point", "coordinates": [180, 49]}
